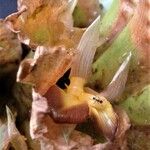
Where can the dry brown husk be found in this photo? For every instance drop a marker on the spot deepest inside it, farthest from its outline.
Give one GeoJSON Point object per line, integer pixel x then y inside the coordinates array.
{"type": "Point", "coordinates": [47, 66]}
{"type": "Point", "coordinates": [53, 29]}
{"type": "Point", "coordinates": [10, 50]}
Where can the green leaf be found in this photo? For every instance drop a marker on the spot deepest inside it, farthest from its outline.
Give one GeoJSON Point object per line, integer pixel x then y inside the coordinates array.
{"type": "Point", "coordinates": [138, 107]}
{"type": "Point", "coordinates": [107, 64]}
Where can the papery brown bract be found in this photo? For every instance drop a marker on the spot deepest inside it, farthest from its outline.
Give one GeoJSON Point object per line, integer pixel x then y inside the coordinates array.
{"type": "Point", "coordinates": [47, 66]}
{"type": "Point", "coordinates": [54, 28]}
{"type": "Point", "coordinates": [10, 49]}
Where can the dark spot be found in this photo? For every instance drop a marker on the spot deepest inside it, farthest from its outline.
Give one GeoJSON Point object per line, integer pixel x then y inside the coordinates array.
{"type": "Point", "coordinates": [101, 101]}
{"type": "Point", "coordinates": [94, 98]}
{"type": "Point", "coordinates": [101, 6]}
{"type": "Point", "coordinates": [130, 109]}
{"type": "Point", "coordinates": [17, 62]}
{"type": "Point", "coordinates": [97, 86]}
{"type": "Point", "coordinates": [97, 99]}
{"type": "Point", "coordinates": [25, 50]}
{"type": "Point", "coordinates": [6, 98]}
{"type": "Point", "coordinates": [94, 70]}
{"type": "Point", "coordinates": [64, 80]}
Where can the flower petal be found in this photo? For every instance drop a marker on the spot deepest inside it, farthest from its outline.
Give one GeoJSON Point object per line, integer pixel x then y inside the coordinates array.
{"type": "Point", "coordinates": [64, 108]}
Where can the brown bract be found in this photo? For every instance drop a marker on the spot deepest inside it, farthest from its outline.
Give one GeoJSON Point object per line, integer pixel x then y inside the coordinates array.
{"type": "Point", "coordinates": [10, 49]}
{"type": "Point", "coordinates": [33, 5]}
{"type": "Point", "coordinates": [43, 22]}
{"type": "Point", "coordinates": [47, 66]}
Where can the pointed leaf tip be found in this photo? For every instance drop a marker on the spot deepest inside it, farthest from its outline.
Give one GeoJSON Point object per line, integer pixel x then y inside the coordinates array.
{"type": "Point", "coordinates": [10, 116]}
{"type": "Point", "coordinates": [87, 48]}
{"type": "Point", "coordinates": [117, 85]}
